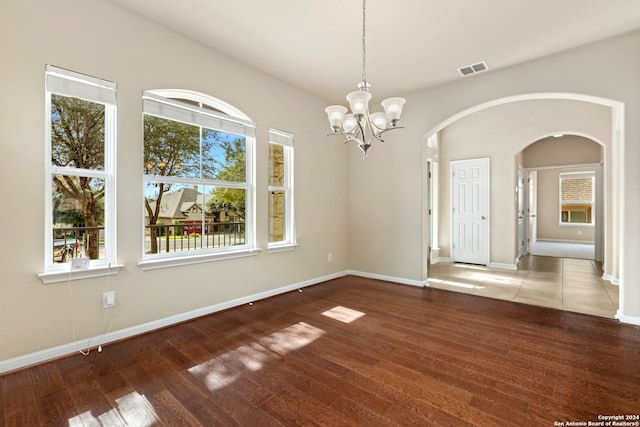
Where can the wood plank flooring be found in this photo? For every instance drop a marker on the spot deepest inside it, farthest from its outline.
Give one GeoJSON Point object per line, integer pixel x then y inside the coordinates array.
{"type": "Point", "coordinates": [351, 351]}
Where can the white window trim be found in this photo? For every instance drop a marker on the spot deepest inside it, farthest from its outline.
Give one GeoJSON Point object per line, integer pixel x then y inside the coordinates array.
{"type": "Point", "coordinates": [68, 83]}
{"type": "Point", "coordinates": [175, 261]}
{"type": "Point", "coordinates": [65, 276]}
{"type": "Point", "coordinates": [285, 139]}
{"type": "Point", "coordinates": [155, 102]}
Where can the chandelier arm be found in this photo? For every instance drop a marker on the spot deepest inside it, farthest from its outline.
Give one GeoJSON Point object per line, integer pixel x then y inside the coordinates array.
{"type": "Point", "coordinates": [377, 136]}
{"type": "Point", "coordinates": [359, 133]}
{"type": "Point", "coordinates": [373, 129]}
{"type": "Point", "coordinates": [387, 130]}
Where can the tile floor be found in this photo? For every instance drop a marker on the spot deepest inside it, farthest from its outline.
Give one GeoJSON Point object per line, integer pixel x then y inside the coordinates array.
{"type": "Point", "coordinates": [564, 283]}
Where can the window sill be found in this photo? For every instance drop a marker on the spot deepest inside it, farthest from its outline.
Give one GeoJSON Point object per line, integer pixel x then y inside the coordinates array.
{"type": "Point", "coordinates": [68, 275]}
{"type": "Point", "coordinates": [153, 264]}
{"type": "Point", "coordinates": [576, 224]}
{"type": "Point", "coordinates": [281, 248]}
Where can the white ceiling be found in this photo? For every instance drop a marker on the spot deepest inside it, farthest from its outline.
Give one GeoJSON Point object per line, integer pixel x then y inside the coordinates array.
{"type": "Point", "coordinates": [411, 44]}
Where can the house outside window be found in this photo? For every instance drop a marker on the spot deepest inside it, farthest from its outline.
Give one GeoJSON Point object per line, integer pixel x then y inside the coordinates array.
{"type": "Point", "coordinates": [80, 165]}
{"type": "Point", "coordinates": [281, 213]}
{"type": "Point", "coordinates": [577, 198]}
{"type": "Point", "coordinates": [198, 177]}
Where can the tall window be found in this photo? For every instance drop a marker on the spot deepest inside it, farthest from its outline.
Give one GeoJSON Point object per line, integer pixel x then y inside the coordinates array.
{"type": "Point", "coordinates": [80, 150]}
{"type": "Point", "coordinates": [577, 197]}
{"type": "Point", "coordinates": [198, 172]}
{"type": "Point", "coordinates": [281, 220]}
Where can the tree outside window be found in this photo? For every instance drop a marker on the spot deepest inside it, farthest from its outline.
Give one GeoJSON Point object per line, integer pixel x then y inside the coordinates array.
{"type": "Point", "coordinates": [195, 178]}
{"type": "Point", "coordinates": [80, 147]}
{"type": "Point", "coordinates": [77, 141]}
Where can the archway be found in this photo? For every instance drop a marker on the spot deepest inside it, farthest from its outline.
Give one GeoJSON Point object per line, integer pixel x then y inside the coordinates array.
{"type": "Point", "coordinates": [575, 230]}
{"type": "Point", "coordinates": [609, 133]}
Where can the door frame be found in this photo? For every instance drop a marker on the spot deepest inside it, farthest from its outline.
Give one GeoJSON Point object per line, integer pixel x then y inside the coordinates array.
{"type": "Point", "coordinates": [532, 209]}
{"type": "Point", "coordinates": [522, 217]}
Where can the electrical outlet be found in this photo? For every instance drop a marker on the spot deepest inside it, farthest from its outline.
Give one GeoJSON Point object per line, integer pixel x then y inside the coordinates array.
{"type": "Point", "coordinates": [329, 257]}
{"type": "Point", "coordinates": [109, 299]}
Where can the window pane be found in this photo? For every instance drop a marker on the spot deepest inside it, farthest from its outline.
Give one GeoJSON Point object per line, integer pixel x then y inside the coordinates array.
{"type": "Point", "coordinates": [276, 165]}
{"type": "Point", "coordinates": [223, 156]}
{"type": "Point", "coordinates": [180, 218]}
{"type": "Point", "coordinates": [276, 216]}
{"type": "Point", "coordinates": [202, 205]}
{"type": "Point", "coordinates": [576, 213]}
{"type": "Point", "coordinates": [228, 204]}
{"type": "Point", "coordinates": [577, 189]}
{"type": "Point", "coordinates": [78, 217]}
{"type": "Point", "coordinates": [174, 215]}
{"type": "Point", "coordinates": [578, 216]}
{"type": "Point", "coordinates": [576, 199]}
{"type": "Point", "coordinates": [171, 148]}
{"type": "Point", "coordinates": [77, 133]}
{"type": "Point", "coordinates": [227, 207]}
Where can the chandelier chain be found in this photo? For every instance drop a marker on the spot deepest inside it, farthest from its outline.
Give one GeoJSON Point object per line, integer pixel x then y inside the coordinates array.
{"type": "Point", "coordinates": [364, 49]}
{"type": "Point", "coordinates": [361, 126]}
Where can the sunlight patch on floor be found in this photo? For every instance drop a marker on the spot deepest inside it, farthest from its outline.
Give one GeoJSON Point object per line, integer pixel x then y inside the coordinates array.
{"type": "Point", "coordinates": [452, 283]}
{"type": "Point", "coordinates": [343, 314]}
{"type": "Point", "coordinates": [133, 409]}
{"type": "Point", "coordinates": [223, 370]}
{"type": "Point", "coordinates": [292, 338]}
{"type": "Point", "coordinates": [469, 266]}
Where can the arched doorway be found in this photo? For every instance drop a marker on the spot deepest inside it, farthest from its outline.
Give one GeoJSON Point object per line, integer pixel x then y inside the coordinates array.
{"type": "Point", "coordinates": [503, 128]}
{"type": "Point", "coordinates": [560, 197]}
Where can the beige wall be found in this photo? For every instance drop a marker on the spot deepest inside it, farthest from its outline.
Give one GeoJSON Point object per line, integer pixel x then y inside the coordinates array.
{"type": "Point", "coordinates": [500, 133]}
{"type": "Point", "coordinates": [101, 39]}
{"type": "Point", "coordinates": [369, 214]}
{"type": "Point", "coordinates": [604, 72]}
{"type": "Point", "coordinates": [564, 151]}
{"type": "Point", "coordinates": [547, 154]}
{"type": "Point", "coordinates": [548, 226]}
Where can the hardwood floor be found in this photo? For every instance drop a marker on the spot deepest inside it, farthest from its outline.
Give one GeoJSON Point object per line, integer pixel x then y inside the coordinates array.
{"type": "Point", "coordinates": [351, 351]}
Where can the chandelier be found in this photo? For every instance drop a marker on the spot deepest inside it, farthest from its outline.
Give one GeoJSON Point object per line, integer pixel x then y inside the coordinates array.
{"type": "Point", "coordinates": [360, 126]}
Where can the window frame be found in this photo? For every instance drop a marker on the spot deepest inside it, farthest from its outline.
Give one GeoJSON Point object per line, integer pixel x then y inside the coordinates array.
{"type": "Point", "coordinates": [62, 82]}
{"type": "Point", "coordinates": [576, 175]}
{"type": "Point", "coordinates": [161, 103]}
{"type": "Point", "coordinates": [284, 139]}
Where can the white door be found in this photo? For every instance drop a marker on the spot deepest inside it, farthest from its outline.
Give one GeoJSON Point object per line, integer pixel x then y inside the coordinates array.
{"type": "Point", "coordinates": [470, 211]}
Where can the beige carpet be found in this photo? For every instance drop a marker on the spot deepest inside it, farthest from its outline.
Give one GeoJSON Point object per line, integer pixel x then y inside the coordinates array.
{"type": "Point", "coordinates": [563, 249]}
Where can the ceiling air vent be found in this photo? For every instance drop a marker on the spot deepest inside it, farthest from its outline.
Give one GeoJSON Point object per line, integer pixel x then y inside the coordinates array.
{"type": "Point", "coordinates": [474, 68]}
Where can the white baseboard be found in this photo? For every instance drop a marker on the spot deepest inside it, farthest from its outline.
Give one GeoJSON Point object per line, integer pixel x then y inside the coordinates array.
{"type": "Point", "coordinates": [586, 242]}
{"type": "Point", "coordinates": [613, 280]}
{"type": "Point", "coordinates": [390, 278]}
{"type": "Point", "coordinates": [93, 342]}
{"type": "Point", "coordinates": [503, 266]}
{"type": "Point", "coordinates": [632, 320]}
